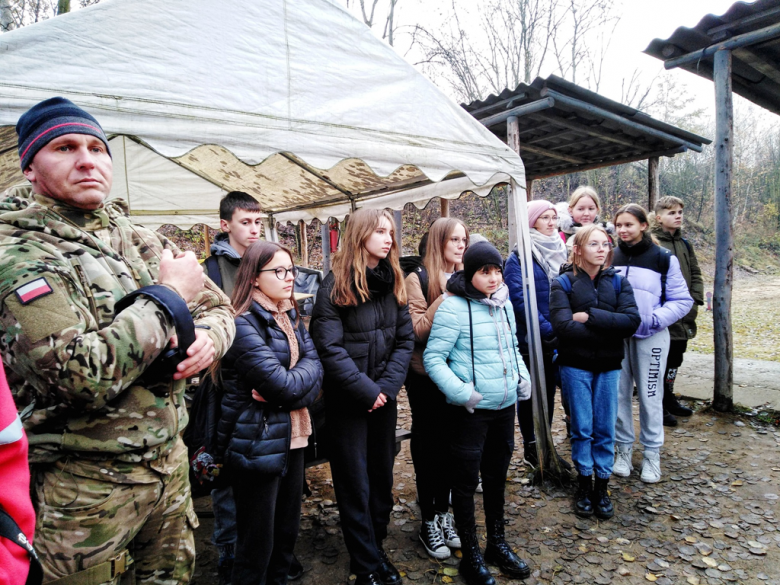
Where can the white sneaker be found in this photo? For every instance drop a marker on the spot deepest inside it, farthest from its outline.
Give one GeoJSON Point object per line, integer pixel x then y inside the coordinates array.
{"type": "Point", "coordinates": [479, 488]}
{"type": "Point", "coordinates": [622, 466]}
{"type": "Point", "coordinates": [432, 539]}
{"type": "Point", "coordinates": [651, 468]}
{"type": "Point", "coordinates": [448, 530]}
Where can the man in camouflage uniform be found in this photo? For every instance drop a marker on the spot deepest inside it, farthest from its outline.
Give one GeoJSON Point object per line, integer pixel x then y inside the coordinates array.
{"type": "Point", "coordinates": [111, 471]}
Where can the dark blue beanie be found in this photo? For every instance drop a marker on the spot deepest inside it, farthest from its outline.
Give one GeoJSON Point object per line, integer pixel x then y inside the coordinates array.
{"type": "Point", "coordinates": [479, 255]}
{"type": "Point", "coordinates": [50, 119]}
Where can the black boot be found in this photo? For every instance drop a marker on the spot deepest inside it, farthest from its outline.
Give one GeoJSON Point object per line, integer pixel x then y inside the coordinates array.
{"type": "Point", "coordinates": [387, 572]}
{"type": "Point", "coordinates": [583, 506]}
{"type": "Point", "coordinates": [296, 569]}
{"type": "Point", "coordinates": [671, 405]}
{"type": "Point", "coordinates": [669, 419]}
{"type": "Point", "coordinates": [499, 553]}
{"type": "Point", "coordinates": [472, 565]}
{"type": "Point", "coordinates": [530, 455]}
{"type": "Point", "coordinates": [601, 502]}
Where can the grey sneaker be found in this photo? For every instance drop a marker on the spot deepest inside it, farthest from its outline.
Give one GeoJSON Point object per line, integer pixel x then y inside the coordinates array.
{"type": "Point", "coordinates": [622, 466]}
{"type": "Point", "coordinates": [651, 468]}
{"type": "Point", "coordinates": [448, 530]}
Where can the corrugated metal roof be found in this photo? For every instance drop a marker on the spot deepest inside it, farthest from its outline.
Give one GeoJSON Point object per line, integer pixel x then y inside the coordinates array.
{"type": "Point", "coordinates": [755, 68]}
{"type": "Point", "coordinates": [576, 129]}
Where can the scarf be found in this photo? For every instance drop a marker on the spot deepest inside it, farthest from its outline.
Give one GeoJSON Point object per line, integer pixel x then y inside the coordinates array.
{"type": "Point", "coordinates": [300, 421]}
{"type": "Point", "coordinates": [549, 251]}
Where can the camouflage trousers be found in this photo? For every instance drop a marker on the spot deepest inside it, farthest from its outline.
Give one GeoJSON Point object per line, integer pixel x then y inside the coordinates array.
{"type": "Point", "coordinates": [145, 508]}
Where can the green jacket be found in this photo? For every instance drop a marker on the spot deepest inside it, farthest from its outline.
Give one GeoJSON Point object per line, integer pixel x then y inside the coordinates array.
{"type": "Point", "coordinates": [74, 367]}
{"type": "Point", "coordinates": [685, 328]}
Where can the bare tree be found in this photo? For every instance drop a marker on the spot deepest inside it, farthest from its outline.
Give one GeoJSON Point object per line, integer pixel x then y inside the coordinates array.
{"type": "Point", "coordinates": [19, 13]}
{"type": "Point", "coordinates": [368, 13]}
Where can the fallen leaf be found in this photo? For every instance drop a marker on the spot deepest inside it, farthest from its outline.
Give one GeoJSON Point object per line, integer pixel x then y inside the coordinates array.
{"type": "Point", "coordinates": [450, 571]}
{"type": "Point", "coordinates": [693, 580]}
{"type": "Point", "coordinates": [710, 562]}
{"type": "Point", "coordinates": [628, 558]}
{"type": "Point", "coordinates": [446, 579]}
{"type": "Point", "coordinates": [736, 483]}
{"type": "Point", "coordinates": [651, 577]}
{"type": "Point", "coordinates": [691, 539]}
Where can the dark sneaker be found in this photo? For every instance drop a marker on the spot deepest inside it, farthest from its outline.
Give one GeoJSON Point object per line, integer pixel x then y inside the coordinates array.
{"type": "Point", "coordinates": [669, 419]}
{"type": "Point", "coordinates": [432, 538]}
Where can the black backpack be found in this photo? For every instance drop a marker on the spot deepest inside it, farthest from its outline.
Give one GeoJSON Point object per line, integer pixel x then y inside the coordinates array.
{"type": "Point", "coordinates": [414, 264]}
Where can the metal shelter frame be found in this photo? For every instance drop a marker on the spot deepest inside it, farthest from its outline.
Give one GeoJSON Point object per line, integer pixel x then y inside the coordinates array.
{"type": "Point", "coordinates": [740, 52]}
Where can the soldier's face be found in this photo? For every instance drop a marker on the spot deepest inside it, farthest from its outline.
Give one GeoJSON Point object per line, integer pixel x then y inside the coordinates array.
{"type": "Point", "coordinates": [75, 169]}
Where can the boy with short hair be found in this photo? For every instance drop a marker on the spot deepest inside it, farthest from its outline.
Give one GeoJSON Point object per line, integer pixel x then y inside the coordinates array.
{"type": "Point", "coordinates": [668, 231]}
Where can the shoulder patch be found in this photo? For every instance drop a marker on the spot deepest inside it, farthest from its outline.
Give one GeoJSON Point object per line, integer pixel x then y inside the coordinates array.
{"type": "Point", "coordinates": [36, 289]}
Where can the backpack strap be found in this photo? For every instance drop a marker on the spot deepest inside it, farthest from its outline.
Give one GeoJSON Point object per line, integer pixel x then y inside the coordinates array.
{"type": "Point", "coordinates": [422, 276]}
{"type": "Point", "coordinates": [213, 271]}
{"type": "Point", "coordinates": [471, 343]}
{"type": "Point", "coordinates": [616, 284]}
{"type": "Point", "coordinates": [565, 283]}
{"type": "Point", "coordinates": [10, 529]}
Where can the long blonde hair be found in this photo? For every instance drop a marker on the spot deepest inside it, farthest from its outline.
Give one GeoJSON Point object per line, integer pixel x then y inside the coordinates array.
{"type": "Point", "coordinates": [351, 261]}
{"type": "Point", "coordinates": [440, 233]}
{"type": "Point", "coordinates": [581, 239]}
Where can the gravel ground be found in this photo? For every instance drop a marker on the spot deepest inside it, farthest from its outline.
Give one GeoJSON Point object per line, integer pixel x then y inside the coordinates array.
{"type": "Point", "coordinates": [711, 520]}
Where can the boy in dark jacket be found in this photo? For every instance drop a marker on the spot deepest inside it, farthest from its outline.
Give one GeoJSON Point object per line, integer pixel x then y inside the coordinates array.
{"type": "Point", "coordinates": [668, 232]}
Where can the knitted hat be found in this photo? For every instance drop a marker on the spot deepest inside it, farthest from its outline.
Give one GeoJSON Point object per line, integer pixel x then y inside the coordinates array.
{"type": "Point", "coordinates": [535, 210]}
{"type": "Point", "coordinates": [479, 255]}
{"type": "Point", "coordinates": [51, 119]}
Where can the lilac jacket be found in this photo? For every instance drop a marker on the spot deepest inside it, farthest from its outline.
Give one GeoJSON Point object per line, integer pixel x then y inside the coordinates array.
{"type": "Point", "coordinates": [643, 264]}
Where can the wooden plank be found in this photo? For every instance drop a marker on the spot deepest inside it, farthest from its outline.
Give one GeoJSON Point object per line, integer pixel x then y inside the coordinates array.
{"type": "Point", "coordinates": [594, 131]}
{"type": "Point", "coordinates": [551, 154]}
{"type": "Point", "coordinates": [653, 186]}
{"type": "Point", "coordinates": [568, 169]}
{"type": "Point", "coordinates": [304, 244]}
{"type": "Point", "coordinates": [206, 239]}
{"type": "Point", "coordinates": [723, 399]}
{"type": "Point", "coordinates": [524, 110]}
{"type": "Point", "coordinates": [754, 37]}
{"type": "Point", "coordinates": [445, 207]}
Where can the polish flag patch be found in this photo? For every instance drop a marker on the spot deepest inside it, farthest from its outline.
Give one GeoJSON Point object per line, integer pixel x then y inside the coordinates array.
{"type": "Point", "coordinates": [33, 290]}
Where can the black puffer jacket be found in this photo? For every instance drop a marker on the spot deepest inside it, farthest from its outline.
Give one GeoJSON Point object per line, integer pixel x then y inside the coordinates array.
{"type": "Point", "coordinates": [596, 345]}
{"type": "Point", "coordinates": [365, 349]}
{"type": "Point", "coordinates": [252, 435]}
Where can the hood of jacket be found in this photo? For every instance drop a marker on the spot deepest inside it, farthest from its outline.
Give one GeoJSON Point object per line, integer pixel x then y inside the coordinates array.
{"type": "Point", "coordinates": [221, 247]}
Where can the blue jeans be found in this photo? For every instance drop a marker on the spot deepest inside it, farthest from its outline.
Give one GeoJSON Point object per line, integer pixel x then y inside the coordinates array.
{"type": "Point", "coordinates": [224, 507]}
{"type": "Point", "coordinates": [592, 401]}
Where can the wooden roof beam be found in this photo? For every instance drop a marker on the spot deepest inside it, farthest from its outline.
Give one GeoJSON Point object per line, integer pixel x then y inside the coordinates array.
{"type": "Point", "coordinates": [550, 154]}
{"type": "Point", "coordinates": [577, 169]}
{"type": "Point", "coordinates": [524, 110]}
{"type": "Point", "coordinates": [585, 129]}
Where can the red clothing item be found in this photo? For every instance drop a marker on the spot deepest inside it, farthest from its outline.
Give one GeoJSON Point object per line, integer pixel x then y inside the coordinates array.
{"type": "Point", "coordinates": [15, 491]}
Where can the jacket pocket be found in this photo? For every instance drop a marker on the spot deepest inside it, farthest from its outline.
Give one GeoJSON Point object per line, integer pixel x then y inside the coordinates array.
{"type": "Point", "coordinates": [359, 352]}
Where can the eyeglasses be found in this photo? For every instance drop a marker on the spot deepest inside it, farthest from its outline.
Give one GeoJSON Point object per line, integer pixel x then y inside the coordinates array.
{"type": "Point", "coordinates": [596, 245]}
{"type": "Point", "coordinates": [457, 241]}
{"type": "Point", "coordinates": [281, 273]}
{"type": "Point", "coordinates": [549, 218]}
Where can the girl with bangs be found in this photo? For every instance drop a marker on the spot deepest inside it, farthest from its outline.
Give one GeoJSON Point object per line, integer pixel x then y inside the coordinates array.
{"type": "Point", "coordinates": [270, 375]}
{"type": "Point", "coordinates": [447, 241]}
{"type": "Point", "coordinates": [592, 310]}
{"type": "Point", "coordinates": [363, 333]}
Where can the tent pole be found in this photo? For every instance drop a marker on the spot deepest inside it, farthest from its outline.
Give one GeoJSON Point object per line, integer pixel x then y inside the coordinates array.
{"type": "Point", "coordinates": [325, 234]}
{"type": "Point", "coordinates": [399, 228]}
{"type": "Point", "coordinates": [544, 442]}
{"type": "Point", "coordinates": [513, 142]}
{"type": "Point", "coordinates": [304, 244]}
{"type": "Point", "coordinates": [206, 239]}
{"type": "Point", "coordinates": [724, 242]}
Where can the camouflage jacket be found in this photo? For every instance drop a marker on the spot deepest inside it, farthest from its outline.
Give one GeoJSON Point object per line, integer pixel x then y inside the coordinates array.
{"type": "Point", "coordinates": [75, 369]}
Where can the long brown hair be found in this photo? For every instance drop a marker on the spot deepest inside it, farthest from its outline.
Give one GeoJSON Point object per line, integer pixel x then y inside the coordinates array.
{"type": "Point", "coordinates": [581, 239]}
{"type": "Point", "coordinates": [256, 257]}
{"type": "Point", "coordinates": [439, 234]}
{"type": "Point", "coordinates": [351, 261]}
{"type": "Point", "coordinates": [640, 214]}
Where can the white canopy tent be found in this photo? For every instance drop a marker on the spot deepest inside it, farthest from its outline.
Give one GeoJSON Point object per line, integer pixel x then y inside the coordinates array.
{"type": "Point", "coordinates": [296, 103]}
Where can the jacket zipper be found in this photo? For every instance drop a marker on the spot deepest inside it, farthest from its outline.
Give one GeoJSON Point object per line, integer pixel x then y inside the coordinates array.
{"type": "Point", "coordinates": [88, 292]}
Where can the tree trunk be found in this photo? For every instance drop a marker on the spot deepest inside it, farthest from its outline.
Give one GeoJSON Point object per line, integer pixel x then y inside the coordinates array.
{"type": "Point", "coordinates": [63, 6]}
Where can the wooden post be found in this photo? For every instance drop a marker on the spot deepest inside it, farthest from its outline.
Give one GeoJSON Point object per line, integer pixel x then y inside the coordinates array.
{"type": "Point", "coordinates": [304, 244]}
{"type": "Point", "coordinates": [529, 189]}
{"type": "Point", "coordinates": [207, 239]}
{"type": "Point", "coordinates": [325, 233]}
{"type": "Point", "coordinates": [513, 142]}
{"type": "Point", "coordinates": [653, 188]}
{"type": "Point", "coordinates": [723, 399]}
{"type": "Point", "coordinates": [399, 226]}
{"type": "Point", "coordinates": [445, 207]}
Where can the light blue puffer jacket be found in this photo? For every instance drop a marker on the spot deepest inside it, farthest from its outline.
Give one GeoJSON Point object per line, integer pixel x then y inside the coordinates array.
{"type": "Point", "coordinates": [497, 361]}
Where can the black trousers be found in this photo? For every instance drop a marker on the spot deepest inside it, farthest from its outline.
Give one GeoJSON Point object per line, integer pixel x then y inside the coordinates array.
{"type": "Point", "coordinates": [674, 360]}
{"type": "Point", "coordinates": [482, 443]}
{"type": "Point", "coordinates": [361, 449]}
{"type": "Point", "coordinates": [430, 444]}
{"type": "Point", "coordinates": [268, 515]}
{"type": "Point", "coordinates": [525, 410]}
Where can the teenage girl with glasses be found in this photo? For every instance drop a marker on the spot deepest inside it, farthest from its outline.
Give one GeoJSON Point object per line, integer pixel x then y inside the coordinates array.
{"type": "Point", "coordinates": [592, 311]}
{"type": "Point", "coordinates": [270, 375]}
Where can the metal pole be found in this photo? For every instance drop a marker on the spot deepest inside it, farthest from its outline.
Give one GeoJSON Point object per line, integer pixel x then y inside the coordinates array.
{"type": "Point", "coordinates": [513, 142]}
{"type": "Point", "coordinates": [724, 243]}
{"type": "Point", "coordinates": [325, 233]}
{"type": "Point", "coordinates": [304, 241]}
{"type": "Point", "coordinates": [545, 447]}
{"type": "Point", "coordinates": [653, 188]}
{"type": "Point", "coordinates": [399, 226]}
{"type": "Point", "coordinates": [524, 110]}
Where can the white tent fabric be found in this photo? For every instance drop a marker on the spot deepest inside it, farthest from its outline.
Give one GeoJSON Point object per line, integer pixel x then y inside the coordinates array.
{"type": "Point", "coordinates": [255, 78]}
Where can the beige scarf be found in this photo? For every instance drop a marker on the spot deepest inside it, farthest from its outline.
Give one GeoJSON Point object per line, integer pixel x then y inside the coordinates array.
{"type": "Point", "coordinates": [299, 419]}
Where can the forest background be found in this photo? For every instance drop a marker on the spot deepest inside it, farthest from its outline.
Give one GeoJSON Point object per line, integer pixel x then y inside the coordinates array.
{"type": "Point", "coordinates": [476, 48]}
